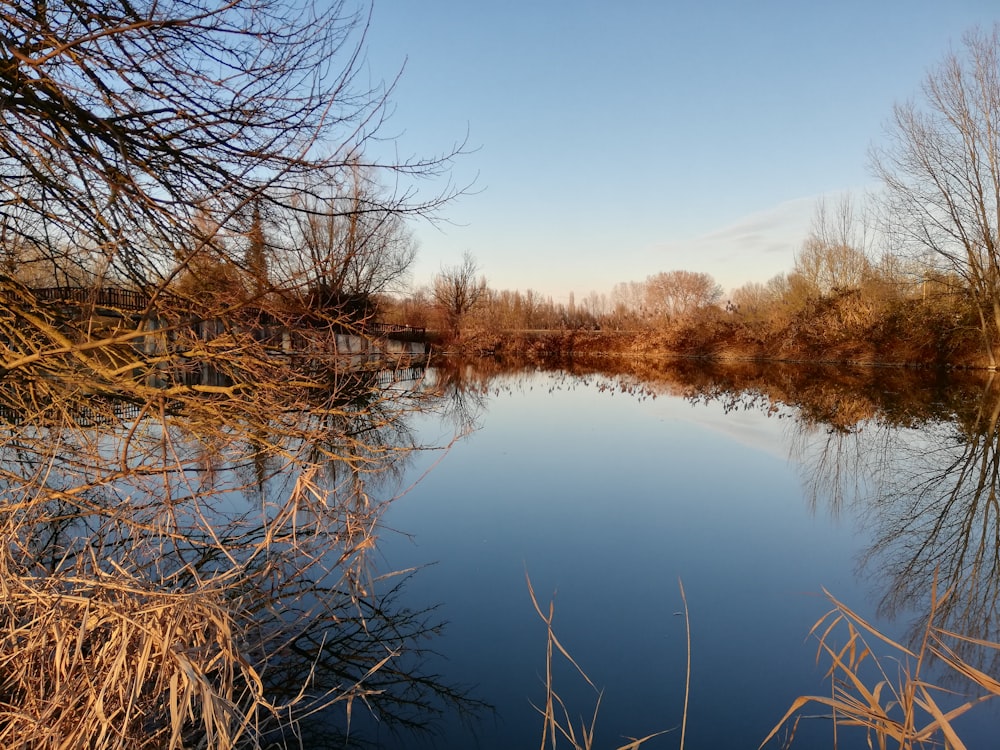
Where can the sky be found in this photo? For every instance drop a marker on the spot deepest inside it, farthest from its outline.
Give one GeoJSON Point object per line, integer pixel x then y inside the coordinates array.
{"type": "Point", "coordinates": [608, 141]}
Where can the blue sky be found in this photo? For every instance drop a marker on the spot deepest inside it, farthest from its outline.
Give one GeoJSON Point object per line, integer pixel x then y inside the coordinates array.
{"type": "Point", "coordinates": [617, 140]}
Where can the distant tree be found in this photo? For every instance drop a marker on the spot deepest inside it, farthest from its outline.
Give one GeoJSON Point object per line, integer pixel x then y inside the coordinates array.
{"type": "Point", "coordinates": [256, 261]}
{"type": "Point", "coordinates": [753, 300]}
{"type": "Point", "coordinates": [596, 304]}
{"type": "Point", "coordinates": [211, 283]}
{"type": "Point", "coordinates": [773, 302]}
{"type": "Point", "coordinates": [941, 174]}
{"type": "Point", "coordinates": [416, 308]}
{"type": "Point", "coordinates": [677, 295]}
{"type": "Point", "coordinates": [626, 305]}
{"type": "Point", "coordinates": [347, 240]}
{"type": "Point", "coordinates": [210, 277]}
{"type": "Point", "coordinates": [628, 296]}
{"type": "Point", "coordinates": [833, 256]}
{"type": "Point", "coordinates": [457, 290]}
{"type": "Point", "coordinates": [828, 268]}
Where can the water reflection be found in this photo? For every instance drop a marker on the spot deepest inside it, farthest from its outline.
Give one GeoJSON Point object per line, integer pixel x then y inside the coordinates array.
{"type": "Point", "coordinates": [915, 458]}
{"type": "Point", "coordinates": [191, 568]}
{"type": "Point", "coordinates": [933, 507]}
{"type": "Point", "coordinates": [231, 541]}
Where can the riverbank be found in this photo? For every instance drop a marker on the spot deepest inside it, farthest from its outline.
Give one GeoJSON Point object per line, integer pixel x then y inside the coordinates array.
{"type": "Point", "coordinates": [722, 341]}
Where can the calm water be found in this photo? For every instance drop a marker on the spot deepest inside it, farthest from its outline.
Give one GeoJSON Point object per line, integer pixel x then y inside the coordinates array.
{"type": "Point", "coordinates": [757, 487]}
{"type": "Point", "coordinates": [606, 496]}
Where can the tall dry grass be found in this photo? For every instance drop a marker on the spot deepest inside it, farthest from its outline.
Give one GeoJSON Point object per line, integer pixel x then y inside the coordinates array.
{"type": "Point", "coordinates": [174, 635]}
{"type": "Point", "coordinates": [887, 689]}
{"type": "Point", "coordinates": [101, 663]}
{"type": "Point", "coordinates": [558, 726]}
{"type": "Point", "coordinates": [195, 570]}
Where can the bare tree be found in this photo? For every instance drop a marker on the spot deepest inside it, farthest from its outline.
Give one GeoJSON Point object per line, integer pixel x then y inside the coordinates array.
{"type": "Point", "coordinates": [256, 258]}
{"type": "Point", "coordinates": [941, 171]}
{"type": "Point", "coordinates": [754, 300]}
{"type": "Point", "coordinates": [348, 237]}
{"type": "Point", "coordinates": [596, 304]}
{"type": "Point", "coordinates": [148, 141]}
{"type": "Point", "coordinates": [627, 302]}
{"type": "Point", "coordinates": [122, 120]}
{"type": "Point", "coordinates": [676, 295]}
{"type": "Point", "coordinates": [834, 255]}
{"type": "Point", "coordinates": [628, 296]}
{"type": "Point", "coordinates": [457, 290]}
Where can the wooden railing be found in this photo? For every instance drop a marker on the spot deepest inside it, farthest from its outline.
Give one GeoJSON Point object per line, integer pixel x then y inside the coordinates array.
{"type": "Point", "coordinates": [388, 329]}
{"type": "Point", "coordinates": [120, 299]}
{"type": "Point", "coordinates": [127, 299]}
{"type": "Point", "coordinates": [83, 415]}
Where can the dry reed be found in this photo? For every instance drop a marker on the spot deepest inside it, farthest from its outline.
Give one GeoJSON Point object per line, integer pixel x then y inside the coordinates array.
{"type": "Point", "coordinates": [196, 572]}
{"type": "Point", "coordinates": [114, 666]}
{"type": "Point", "coordinates": [102, 650]}
{"type": "Point", "coordinates": [557, 723]}
{"type": "Point", "coordinates": [889, 696]}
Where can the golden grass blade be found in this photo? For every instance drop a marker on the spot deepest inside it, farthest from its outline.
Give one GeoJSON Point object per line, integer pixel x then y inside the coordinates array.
{"type": "Point", "coordinates": [849, 668]}
{"type": "Point", "coordinates": [961, 666]}
{"type": "Point", "coordinates": [636, 742]}
{"type": "Point", "coordinates": [941, 720]}
{"type": "Point", "coordinates": [859, 620]}
{"type": "Point", "coordinates": [588, 731]}
{"type": "Point", "coordinates": [907, 696]}
{"type": "Point", "coordinates": [967, 638]}
{"type": "Point", "coordinates": [687, 676]}
{"type": "Point", "coordinates": [571, 660]}
{"type": "Point", "coordinates": [551, 633]}
{"type": "Point", "coordinates": [798, 703]}
{"type": "Point", "coordinates": [834, 616]}
{"type": "Point", "coordinates": [556, 719]}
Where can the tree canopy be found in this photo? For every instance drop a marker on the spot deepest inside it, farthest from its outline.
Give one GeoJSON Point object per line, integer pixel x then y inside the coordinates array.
{"type": "Point", "coordinates": [126, 123]}
{"type": "Point", "coordinates": [941, 172]}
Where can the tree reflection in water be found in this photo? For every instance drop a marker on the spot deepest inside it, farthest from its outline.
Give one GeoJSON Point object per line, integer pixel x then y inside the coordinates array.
{"type": "Point", "coordinates": [196, 569]}
{"type": "Point", "coordinates": [915, 458]}
{"type": "Point", "coordinates": [912, 457]}
{"type": "Point", "coordinates": [933, 510]}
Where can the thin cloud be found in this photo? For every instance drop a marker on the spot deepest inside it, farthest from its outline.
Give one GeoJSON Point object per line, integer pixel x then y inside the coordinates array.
{"type": "Point", "coordinates": [753, 248]}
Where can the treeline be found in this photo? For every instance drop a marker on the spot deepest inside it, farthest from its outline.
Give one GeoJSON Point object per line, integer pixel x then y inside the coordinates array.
{"type": "Point", "coordinates": [921, 283]}
{"type": "Point", "coordinates": [843, 300]}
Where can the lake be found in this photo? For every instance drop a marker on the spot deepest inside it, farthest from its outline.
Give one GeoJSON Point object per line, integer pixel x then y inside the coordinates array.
{"type": "Point", "coordinates": [357, 558]}
{"type": "Point", "coordinates": [607, 491]}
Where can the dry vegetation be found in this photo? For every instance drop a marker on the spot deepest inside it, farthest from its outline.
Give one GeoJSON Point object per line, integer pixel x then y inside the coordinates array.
{"type": "Point", "coordinates": [188, 508]}
{"type": "Point", "coordinates": [877, 324]}
{"type": "Point", "coordinates": [558, 723]}
{"type": "Point", "coordinates": [188, 566]}
{"type": "Point", "coordinates": [189, 480]}
{"type": "Point", "coordinates": [882, 687]}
